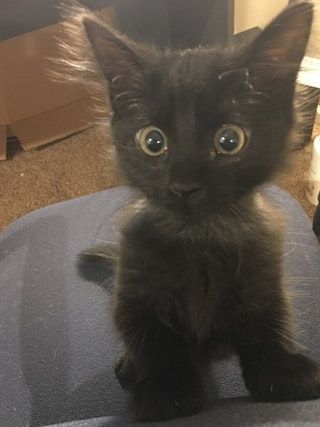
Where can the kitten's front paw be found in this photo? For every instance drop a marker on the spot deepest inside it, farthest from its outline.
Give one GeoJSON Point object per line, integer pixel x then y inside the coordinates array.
{"type": "Point", "coordinates": [168, 396]}
{"type": "Point", "coordinates": [286, 378]}
{"type": "Point", "coordinates": [125, 372]}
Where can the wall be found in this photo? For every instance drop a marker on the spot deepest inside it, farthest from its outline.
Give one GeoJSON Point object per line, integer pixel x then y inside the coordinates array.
{"type": "Point", "coordinates": [314, 45]}
{"type": "Point", "coordinates": [252, 13]}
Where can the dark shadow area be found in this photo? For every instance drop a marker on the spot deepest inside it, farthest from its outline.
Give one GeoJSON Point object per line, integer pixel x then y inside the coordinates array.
{"type": "Point", "coordinates": [13, 148]}
{"type": "Point", "coordinates": [96, 270]}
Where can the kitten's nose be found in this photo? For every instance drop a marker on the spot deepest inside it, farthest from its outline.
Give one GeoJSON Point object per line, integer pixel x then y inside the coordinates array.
{"type": "Point", "coordinates": [184, 191]}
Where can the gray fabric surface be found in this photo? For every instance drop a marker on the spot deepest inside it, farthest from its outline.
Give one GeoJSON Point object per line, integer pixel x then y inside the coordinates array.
{"type": "Point", "coordinates": [57, 339]}
{"type": "Point", "coordinates": [230, 413]}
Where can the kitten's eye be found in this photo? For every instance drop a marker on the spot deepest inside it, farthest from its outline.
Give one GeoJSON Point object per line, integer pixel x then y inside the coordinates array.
{"type": "Point", "coordinates": [152, 141]}
{"type": "Point", "coordinates": [229, 139]}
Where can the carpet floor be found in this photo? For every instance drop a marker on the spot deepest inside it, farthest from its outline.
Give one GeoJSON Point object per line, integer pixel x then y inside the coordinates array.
{"type": "Point", "coordinates": [82, 164]}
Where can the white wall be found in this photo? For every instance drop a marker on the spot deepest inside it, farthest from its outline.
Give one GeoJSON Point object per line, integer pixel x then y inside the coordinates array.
{"type": "Point", "coordinates": [314, 45]}
{"type": "Point", "coordinates": [252, 13]}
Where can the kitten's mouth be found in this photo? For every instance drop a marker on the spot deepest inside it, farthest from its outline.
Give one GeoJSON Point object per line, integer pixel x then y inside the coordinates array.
{"type": "Point", "coordinates": [185, 204]}
{"type": "Point", "coordinates": [197, 203]}
{"type": "Point", "coordinates": [186, 196]}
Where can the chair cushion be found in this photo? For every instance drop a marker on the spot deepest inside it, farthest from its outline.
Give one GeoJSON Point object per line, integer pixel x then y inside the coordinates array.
{"type": "Point", "coordinates": [57, 338]}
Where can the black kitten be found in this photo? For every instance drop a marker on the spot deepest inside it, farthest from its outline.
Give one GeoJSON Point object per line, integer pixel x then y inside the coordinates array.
{"type": "Point", "coordinates": [200, 262]}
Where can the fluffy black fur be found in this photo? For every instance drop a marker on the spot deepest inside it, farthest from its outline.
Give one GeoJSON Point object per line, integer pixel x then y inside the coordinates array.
{"type": "Point", "coordinates": [199, 273]}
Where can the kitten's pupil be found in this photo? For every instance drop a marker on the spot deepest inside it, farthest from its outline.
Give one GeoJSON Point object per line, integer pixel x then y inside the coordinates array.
{"type": "Point", "coordinates": [229, 140]}
{"type": "Point", "coordinates": [155, 141]}
{"type": "Point", "coordinates": [152, 141]}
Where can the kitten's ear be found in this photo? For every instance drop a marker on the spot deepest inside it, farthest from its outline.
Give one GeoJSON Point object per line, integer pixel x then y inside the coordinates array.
{"type": "Point", "coordinates": [115, 53]}
{"type": "Point", "coordinates": [283, 42]}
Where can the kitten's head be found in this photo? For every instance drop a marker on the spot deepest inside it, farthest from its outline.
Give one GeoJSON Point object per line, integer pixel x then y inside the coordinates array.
{"type": "Point", "coordinates": [200, 128]}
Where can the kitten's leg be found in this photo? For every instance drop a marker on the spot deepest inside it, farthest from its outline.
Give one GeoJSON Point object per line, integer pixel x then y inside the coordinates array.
{"type": "Point", "coordinates": [125, 371]}
{"type": "Point", "coordinates": [166, 383]}
{"type": "Point", "coordinates": [272, 368]}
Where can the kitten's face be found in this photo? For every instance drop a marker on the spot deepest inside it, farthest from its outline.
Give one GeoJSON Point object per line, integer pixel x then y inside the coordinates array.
{"type": "Point", "coordinates": [198, 134]}
{"type": "Point", "coordinates": [200, 128]}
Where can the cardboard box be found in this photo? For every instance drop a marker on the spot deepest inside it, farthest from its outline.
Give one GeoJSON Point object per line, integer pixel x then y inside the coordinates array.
{"type": "Point", "coordinates": [35, 108]}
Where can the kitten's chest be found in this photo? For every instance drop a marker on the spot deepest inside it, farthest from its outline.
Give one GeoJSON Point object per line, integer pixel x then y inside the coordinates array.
{"type": "Point", "coordinates": [205, 286]}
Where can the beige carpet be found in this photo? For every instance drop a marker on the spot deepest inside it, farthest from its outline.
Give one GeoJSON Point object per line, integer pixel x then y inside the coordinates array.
{"type": "Point", "coordinates": [82, 164]}
{"type": "Point", "coordinates": [78, 165]}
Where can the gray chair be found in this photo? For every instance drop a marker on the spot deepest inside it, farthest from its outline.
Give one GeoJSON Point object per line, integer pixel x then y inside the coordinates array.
{"type": "Point", "coordinates": [23, 16]}
{"type": "Point", "coordinates": [162, 22]}
{"type": "Point", "coordinates": [58, 344]}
